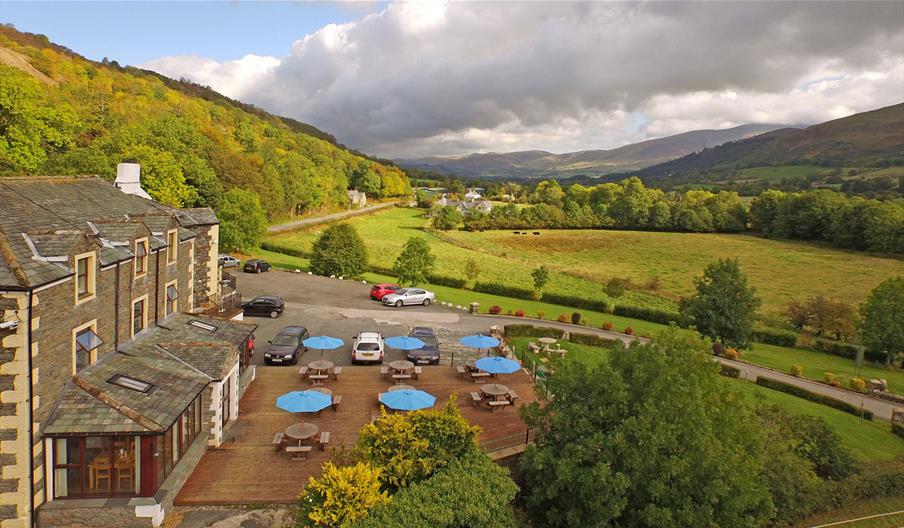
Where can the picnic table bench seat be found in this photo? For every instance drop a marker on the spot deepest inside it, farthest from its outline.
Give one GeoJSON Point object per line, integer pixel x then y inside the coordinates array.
{"type": "Point", "coordinates": [278, 439]}
{"type": "Point", "coordinates": [399, 377]}
{"type": "Point", "coordinates": [318, 379]}
{"type": "Point", "coordinates": [337, 399]}
{"type": "Point", "coordinates": [417, 372]}
{"type": "Point", "coordinates": [476, 399]}
{"type": "Point", "coordinates": [498, 404]}
{"type": "Point", "coordinates": [534, 347]}
{"type": "Point", "coordinates": [478, 376]}
{"type": "Point", "coordinates": [299, 451]}
{"type": "Point", "coordinates": [461, 371]}
{"type": "Point", "coordinates": [336, 372]}
{"type": "Point", "coordinates": [512, 396]}
{"type": "Point", "coordinates": [384, 370]}
{"type": "Point", "coordinates": [303, 371]}
{"type": "Point", "coordinates": [324, 440]}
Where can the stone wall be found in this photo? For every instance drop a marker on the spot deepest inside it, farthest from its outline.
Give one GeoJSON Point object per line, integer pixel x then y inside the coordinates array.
{"type": "Point", "coordinates": [207, 268]}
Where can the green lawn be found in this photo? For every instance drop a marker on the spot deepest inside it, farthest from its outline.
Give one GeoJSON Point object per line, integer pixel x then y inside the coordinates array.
{"type": "Point", "coordinates": [864, 508]}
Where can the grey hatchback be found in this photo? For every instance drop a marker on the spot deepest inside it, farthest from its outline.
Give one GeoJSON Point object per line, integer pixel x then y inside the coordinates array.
{"type": "Point", "coordinates": [286, 346]}
{"type": "Point", "coordinates": [429, 354]}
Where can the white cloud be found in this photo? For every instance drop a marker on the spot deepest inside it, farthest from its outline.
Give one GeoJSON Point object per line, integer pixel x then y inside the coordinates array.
{"type": "Point", "coordinates": [423, 78]}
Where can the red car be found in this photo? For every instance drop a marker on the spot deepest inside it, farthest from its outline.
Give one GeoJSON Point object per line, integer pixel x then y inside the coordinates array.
{"type": "Point", "coordinates": [379, 290]}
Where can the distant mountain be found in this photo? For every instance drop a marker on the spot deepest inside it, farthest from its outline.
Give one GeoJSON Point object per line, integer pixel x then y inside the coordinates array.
{"type": "Point", "coordinates": [867, 139]}
{"type": "Point", "coordinates": [542, 164]}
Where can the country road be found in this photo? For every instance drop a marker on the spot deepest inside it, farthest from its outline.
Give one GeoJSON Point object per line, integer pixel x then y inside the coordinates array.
{"type": "Point", "coordinates": [307, 222]}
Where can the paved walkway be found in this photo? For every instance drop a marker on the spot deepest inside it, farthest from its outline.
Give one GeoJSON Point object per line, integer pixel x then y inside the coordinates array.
{"type": "Point", "coordinates": [307, 222]}
{"type": "Point", "coordinates": [881, 408]}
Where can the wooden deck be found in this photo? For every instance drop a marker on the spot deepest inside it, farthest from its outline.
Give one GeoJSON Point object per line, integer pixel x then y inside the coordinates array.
{"type": "Point", "coordinates": [247, 469]}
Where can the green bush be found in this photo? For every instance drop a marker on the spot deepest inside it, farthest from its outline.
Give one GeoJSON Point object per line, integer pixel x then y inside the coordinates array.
{"type": "Point", "coordinates": [576, 318]}
{"type": "Point", "coordinates": [731, 372]}
{"type": "Point", "coordinates": [797, 371]}
{"type": "Point", "coordinates": [800, 392]}
{"type": "Point", "coordinates": [525, 330]}
{"type": "Point", "coordinates": [604, 306]}
{"type": "Point", "coordinates": [594, 340]}
{"type": "Point", "coordinates": [846, 350]}
{"type": "Point", "coordinates": [506, 291]}
{"type": "Point", "coordinates": [285, 250]}
{"type": "Point", "coordinates": [654, 315]}
{"type": "Point", "coordinates": [774, 337]}
{"type": "Point", "coordinates": [879, 478]}
{"type": "Point", "coordinates": [451, 282]}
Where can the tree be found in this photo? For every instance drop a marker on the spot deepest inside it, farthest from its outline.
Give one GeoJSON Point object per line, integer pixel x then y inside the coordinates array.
{"type": "Point", "coordinates": [340, 495]}
{"type": "Point", "coordinates": [652, 438]}
{"type": "Point", "coordinates": [549, 192]}
{"type": "Point", "coordinates": [472, 270]}
{"type": "Point", "coordinates": [632, 207]}
{"type": "Point", "coordinates": [447, 218]}
{"type": "Point", "coordinates": [616, 287]}
{"type": "Point", "coordinates": [881, 324]}
{"type": "Point", "coordinates": [339, 251]}
{"type": "Point", "coordinates": [541, 277]}
{"type": "Point", "coordinates": [242, 220]}
{"type": "Point", "coordinates": [415, 262]}
{"type": "Point", "coordinates": [724, 305]}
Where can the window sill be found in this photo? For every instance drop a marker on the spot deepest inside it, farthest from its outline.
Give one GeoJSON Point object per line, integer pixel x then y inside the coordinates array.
{"type": "Point", "coordinates": [83, 300]}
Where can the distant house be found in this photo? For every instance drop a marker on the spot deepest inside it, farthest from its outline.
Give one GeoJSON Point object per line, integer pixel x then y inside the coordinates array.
{"type": "Point", "coordinates": [356, 198]}
{"type": "Point", "coordinates": [463, 206]}
{"type": "Point", "coordinates": [473, 194]}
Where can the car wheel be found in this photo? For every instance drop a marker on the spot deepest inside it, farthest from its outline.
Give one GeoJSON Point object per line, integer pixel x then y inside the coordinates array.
{"type": "Point", "coordinates": [398, 304]}
{"type": "Point", "coordinates": [258, 270]}
{"type": "Point", "coordinates": [274, 314]}
{"type": "Point", "coordinates": [426, 302]}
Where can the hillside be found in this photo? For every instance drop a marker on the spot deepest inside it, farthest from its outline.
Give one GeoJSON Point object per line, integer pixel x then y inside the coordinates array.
{"type": "Point", "coordinates": [63, 114]}
{"type": "Point", "coordinates": [870, 140]}
{"type": "Point", "coordinates": [539, 163]}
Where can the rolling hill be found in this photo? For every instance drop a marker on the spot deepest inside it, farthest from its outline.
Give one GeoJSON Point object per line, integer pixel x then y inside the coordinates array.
{"type": "Point", "coordinates": [62, 114]}
{"type": "Point", "coordinates": [542, 164]}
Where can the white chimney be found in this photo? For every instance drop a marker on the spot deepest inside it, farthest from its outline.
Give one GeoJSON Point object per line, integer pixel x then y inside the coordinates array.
{"type": "Point", "coordinates": [128, 179]}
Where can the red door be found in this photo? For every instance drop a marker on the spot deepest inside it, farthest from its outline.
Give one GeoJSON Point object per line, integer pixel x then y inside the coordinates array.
{"type": "Point", "coordinates": [149, 445]}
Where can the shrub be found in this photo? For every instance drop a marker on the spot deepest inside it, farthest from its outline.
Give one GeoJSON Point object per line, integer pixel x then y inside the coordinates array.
{"type": "Point", "coordinates": [442, 280]}
{"type": "Point", "coordinates": [563, 318]}
{"type": "Point", "coordinates": [801, 392]}
{"type": "Point", "coordinates": [857, 384]}
{"type": "Point", "coordinates": [519, 313]}
{"type": "Point", "coordinates": [509, 313]}
{"type": "Point", "coordinates": [628, 330]}
{"type": "Point", "coordinates": [495, 309]}
{"type": "Point", "coordinates": [540, 314]}
{"type": "Point", "coordinates": [604, 306]}
{"type": "Point", "coordinates": [616, 287]}
{"type": "Point", "coordinates": [774, 337]}
{"type": "Point", "coordinates": [607, 326]}
{"type": "Point", "coordinates": [846, 350]}
{"type": "Point", "coordinates": [879, 478]}
{"type": "Point", "coordinates": [731, 372]}
{"type": "Point", "coordinates": [831, 379]}
{"type": "Point", "coordinates": [731, 353]}
{"type": "Point", "coordinates": [503, 290]}
{"type": "Point", "coordinates": [285, 250]}
{"type": "Point", "coordinates": [594, 340]}
{"type": "Point", "coordinates": [654, 283]}
{"type": "Point", "coordinates": [653, 315]}
{"type": "Point", "coordinates": [576, 318]}
{"type": "Point", "coordinates": [340, 495]}
{"type": "Point", "coordinates": [718, 348]}
{"type": "Point", "coordinates": [526, 330]}
{"type": "Point", "coordinates": [339, 251]}
{"type": "Point", "coordinates": [797, 371]}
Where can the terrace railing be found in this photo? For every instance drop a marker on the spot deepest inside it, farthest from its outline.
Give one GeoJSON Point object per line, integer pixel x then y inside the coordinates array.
{"type": "Point", "coordinates": [509, 441]}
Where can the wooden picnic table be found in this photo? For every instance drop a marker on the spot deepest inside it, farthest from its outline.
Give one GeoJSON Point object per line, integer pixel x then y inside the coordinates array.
{"type": "Point", "coordinates": [302, 431]}
{"type": "Point", "coordinates": [321, 365]}
{"type": "Point", "coordinates": [494, 390]}
{"type": "Point", "coordinates": [401, 365]}
{"type": "Point", "coordinates": [546, 342]}
{"type": "Point", "coordinates": [400, 387]}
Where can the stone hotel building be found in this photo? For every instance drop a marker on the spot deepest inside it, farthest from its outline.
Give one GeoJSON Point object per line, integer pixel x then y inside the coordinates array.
{"type": "Point", "coordinates": [118, 368]}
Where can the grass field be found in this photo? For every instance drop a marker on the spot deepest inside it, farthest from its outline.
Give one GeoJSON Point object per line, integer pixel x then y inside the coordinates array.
{"type": "Point", "coordinates": [867, 440]}
{"type": "Point", "coordinates": [864, 508]}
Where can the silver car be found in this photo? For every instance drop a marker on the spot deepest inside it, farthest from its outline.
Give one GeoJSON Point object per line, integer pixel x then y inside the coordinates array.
{"type": "Point", "coordinates": [409, 296]}
{"type": "Point", "coordinates": [228, 261]}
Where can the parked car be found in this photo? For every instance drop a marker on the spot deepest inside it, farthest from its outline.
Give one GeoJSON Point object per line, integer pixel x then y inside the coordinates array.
{"type": "Point", "coordinates": [409, 296]}
{"type": "Point", "coordinates": [269, 305]}
{"type": "Point", "coordinates": [380, 290]}
{"type": "Point", "coordinates": [228, 261]}
{"type": "Point", "coordinates": [256, 266]}
{"type": "Point", "coordinates": [286, 346]}
{"type": "Point", "coordinates": [429, 354]}
{"type": "Point", "coordinates": [367, 346]}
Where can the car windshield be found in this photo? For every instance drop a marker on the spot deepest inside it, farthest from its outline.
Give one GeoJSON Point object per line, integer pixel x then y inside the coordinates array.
{"type": "Point", "coordinates": [429, 342]}
{"type": "Point", "coordinates": [368, 347]}
{"type": "Point", "coordinates": [286, 339]}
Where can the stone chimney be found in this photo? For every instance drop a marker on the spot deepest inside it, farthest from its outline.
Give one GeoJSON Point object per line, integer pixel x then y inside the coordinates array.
{"type": "Point", "coordinates": [128, 179]}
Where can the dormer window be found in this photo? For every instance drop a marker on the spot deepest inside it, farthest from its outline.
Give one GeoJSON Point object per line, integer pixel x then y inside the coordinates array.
{"type": "Point", "coordinates": [141, 257]}
{"type": "Point", "coordinates": [85, 277]}
{"type": "Point", "coordinates": [172, 246]}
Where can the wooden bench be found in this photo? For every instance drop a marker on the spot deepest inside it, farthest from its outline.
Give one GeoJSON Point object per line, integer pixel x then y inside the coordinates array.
{"type": "Point", "coordinates": [384, 370]}
{"type": "Point", "coordinates": [336, 372]}
{"type": "Point", "coordinates": [417, 372]}
{"type": "Point", "coordinates": [278, 439]}
{"type": "Point", "coordinates": [534, 347]}
{"type": "Point", "coordinates": [476, 399]}
{"type": "Point", "coordinates": [478, 376]}
{"type": "Point", "coordinates": [324, 440]}
{"type": "Point", "coordinates": [336, 401]}
{"type": "Point", "coordinates": [512, 396]}
{"type": "Point", "coordinates": [303, 371]}
{"type": "Point", "coordinates": [498, 404]}
{"type": "Point", "coordinates": [400, 377]}
{"type": "Point", "coordinates": [461, 371]}
{"type": "Point", "coordinates": [299, 451]}
{"type": "Point", "coordinates": [318, 379]}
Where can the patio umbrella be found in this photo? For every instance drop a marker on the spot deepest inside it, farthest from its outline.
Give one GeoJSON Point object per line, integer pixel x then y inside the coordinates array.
{"type": "Point", "coordinates": [304, 401]}
{"type": "Point", "coordinates": [404, 343]}
{"type": "Point", "coordinates": [479, 341]}
{"type": "Point", "coordinates": [323, 343]}
{"type": "Point", "coordinates": [497, 365]}
{"type": "Point", "coordinates": [407, 400]}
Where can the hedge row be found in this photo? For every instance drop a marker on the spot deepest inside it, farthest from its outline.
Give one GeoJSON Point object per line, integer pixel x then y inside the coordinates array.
{"type": "Point", "coordinates": [654, 315]}
{"type": "Point", "coordinates": [800, 392]}
{"type": "Point", "coordinates": [774, 337]}
{"type": "Point", "coordinates": [878, 478]}
{"type": "Point", "coordinates": [603, 306]}
{"type": "Point", "coordinates": [526, 330]}
{"type": "Point", "coordinates": [846, 350]}
{"type": "Point", "coordinates": [286, 250]}
{"type": "Point", "coordinates": [731, 372]}
{"type": "Point", "coordinates": [443, 280]}
{"type": "Point", "coordinates": [506, 291]}
{"type": "Point", "coordinates": [594, 340]}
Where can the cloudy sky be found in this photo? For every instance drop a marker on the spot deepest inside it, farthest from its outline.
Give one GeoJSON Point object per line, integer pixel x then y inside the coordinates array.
{"type": "Point", "coordinates": [443, 78]}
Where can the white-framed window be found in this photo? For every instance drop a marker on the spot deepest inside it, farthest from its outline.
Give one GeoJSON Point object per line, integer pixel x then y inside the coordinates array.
{"type": "Point", "coordinates": [85, 343]}
{"type": "Point", "coordinates": [139, 314]}
{"type": "Point", "coordinates": [141, 257]}
{"type": "Point", "coordinates": [172, 246]}
{"type": "Point", "coordinates": [171, 293]}
{"type": "Point", "coordinates": [85, 277]}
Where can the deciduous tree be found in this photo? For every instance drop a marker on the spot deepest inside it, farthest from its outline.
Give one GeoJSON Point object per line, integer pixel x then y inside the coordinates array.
{"type": "Point", "coordinates": [415, 262]}
{"type": "Point", "coordinates": [339, 251]}
{"type": "Point", "coordinates": [881, 323]}
{"type": "Point", "coordinates": [724, 305]}
{"type": "Point", "coordinates": [339, 496]}
{"type": "Point", "coordinates": [242, 220]}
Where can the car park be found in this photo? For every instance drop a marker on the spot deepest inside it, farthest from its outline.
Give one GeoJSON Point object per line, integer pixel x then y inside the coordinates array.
{"type": "Point", "coordinates": [367, 347]}
{"type": "Point", "coordinates": [256, 266]}
{"type": "Point", "coordinates": [429, 353]}
{"type": "Point", "coordinates": [287, 346]}
{"type": "Point", "coordinates": [380, 290]}
{"type": "Point", "coordinates": [267, 305]}
{"type": "Point", "coordinates": [228, 261]}
{"type": "Point", "coordinates": [409, 296]}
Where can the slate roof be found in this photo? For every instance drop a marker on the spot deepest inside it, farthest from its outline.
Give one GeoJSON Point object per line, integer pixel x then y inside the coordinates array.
{"type": "Point", "coordinates": [213, 359]}
{"type": "Point", "coordinates": [45, 207]}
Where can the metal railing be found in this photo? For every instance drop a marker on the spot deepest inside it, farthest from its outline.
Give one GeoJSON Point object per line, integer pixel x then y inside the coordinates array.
{"type": "Point", "coordinates": [505, 442]}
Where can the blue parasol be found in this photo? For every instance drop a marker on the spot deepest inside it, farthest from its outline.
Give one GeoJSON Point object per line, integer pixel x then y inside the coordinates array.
{"type": "Point", "coordinates": [322, 343]}
{"type": "Point", "coordinates": [404, 343]}
{"type": "Point", "coordinates": [497, 365]}
{"type": "Point", "coordinates": [479, 341]}
{"type": "Point", "coordinates": [407, 400]}
{"type": "Point", "coordinates": [304, 401]}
